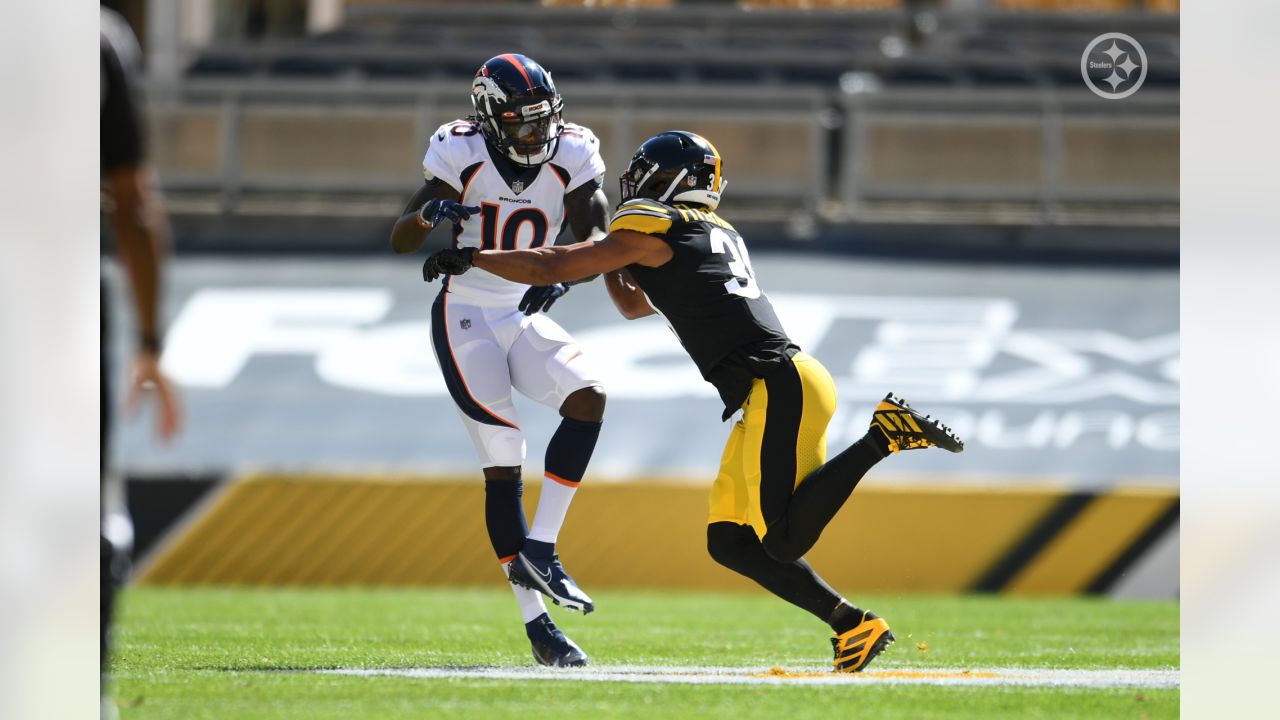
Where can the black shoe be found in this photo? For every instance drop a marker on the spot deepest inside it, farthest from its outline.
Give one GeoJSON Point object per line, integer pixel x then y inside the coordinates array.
{"type": "Point", "coordinates": [549, 578]}
{"type": "Point", "coordinates": [550, 647]}
{"type": "Point", "coordinates": [906, 429]}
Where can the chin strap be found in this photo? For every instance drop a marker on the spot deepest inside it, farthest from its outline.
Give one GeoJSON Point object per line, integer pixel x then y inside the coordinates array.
{"type": "Point", "coordinates": [544, 156]}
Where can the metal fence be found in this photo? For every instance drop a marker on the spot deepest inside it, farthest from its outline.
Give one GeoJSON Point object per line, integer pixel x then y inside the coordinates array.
{"type": "Point", "coordinates": [319, 145]}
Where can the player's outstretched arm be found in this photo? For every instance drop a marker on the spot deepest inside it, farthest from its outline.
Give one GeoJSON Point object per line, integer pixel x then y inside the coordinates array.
{"type": "Point", "coordinates": [411, 229]}
{"type": "Point", "coordinates": [626, 295]}
{"type": "Point", "coordinates": [587, 209]}
{"type": "Point", "coordinates": [567, 263]}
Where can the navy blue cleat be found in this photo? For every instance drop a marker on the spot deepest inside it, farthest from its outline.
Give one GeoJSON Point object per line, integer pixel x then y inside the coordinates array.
{"type": "Point", "coordinates": [548, 577]}
{"type": "Point", "coordinates": [550, 647]}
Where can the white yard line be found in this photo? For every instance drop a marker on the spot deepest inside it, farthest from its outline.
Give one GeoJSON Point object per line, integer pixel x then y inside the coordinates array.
{"type": "Point", "coordinates": [1025, 677]}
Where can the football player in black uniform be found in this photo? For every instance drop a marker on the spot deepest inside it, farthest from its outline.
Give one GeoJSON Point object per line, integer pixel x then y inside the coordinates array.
{"type": "Point", "coordinates": [141, 236]}
{"type": "Point", "coordinates": [667, 251]}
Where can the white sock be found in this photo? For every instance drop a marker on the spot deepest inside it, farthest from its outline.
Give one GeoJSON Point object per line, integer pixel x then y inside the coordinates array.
{"type": "Point", "coordinates": [530, 601]}
{"type": "Point", "coordinates": [553, 505]}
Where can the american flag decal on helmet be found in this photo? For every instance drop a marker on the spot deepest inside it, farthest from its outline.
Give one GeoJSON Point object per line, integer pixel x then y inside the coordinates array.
{"type": "Point", "coordinates": [709, 159]}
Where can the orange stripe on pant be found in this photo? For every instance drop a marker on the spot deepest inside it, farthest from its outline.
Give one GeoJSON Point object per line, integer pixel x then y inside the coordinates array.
{"type": "Point", "coordinates": [562, 481]}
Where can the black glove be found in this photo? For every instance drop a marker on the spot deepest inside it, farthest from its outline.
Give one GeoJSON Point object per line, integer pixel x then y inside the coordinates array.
{"type": "Point", "coordinates": [540, 298]}
{"type": "Point", "coordinates": [437, 210]}
{"type": "Point", "coordinates": [450, 261]}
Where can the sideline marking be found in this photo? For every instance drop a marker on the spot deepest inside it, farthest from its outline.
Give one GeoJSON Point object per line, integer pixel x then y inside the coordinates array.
{"type": "Point", "coordinates": [1024, 677]}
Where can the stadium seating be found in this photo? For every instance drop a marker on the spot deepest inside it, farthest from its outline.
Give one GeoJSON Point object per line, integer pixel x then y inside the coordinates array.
{"type": "Point", "coordinates": [773, 42]}
{"type": "Point", "coordinates": [847, 115]}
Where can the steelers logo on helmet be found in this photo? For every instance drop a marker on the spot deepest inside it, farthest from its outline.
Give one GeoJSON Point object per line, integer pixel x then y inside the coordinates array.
{"type": "Point", "coordinates": [675, 166]}
{"type": "Point", "coordinates": [518, 109]}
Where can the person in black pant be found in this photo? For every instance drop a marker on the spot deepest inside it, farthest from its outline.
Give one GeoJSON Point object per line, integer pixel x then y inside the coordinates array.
{"type": "Point", "coordinates": [668, 252]}
{"type": "Point", "coordinates": [141, 235]}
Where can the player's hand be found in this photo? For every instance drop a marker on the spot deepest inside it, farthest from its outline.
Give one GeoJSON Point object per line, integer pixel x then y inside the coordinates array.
{"type": "Point", "coordinates": [450, 261]}
{"type": "Point", "coordinates": [437, 211]}
{"type": "Point", "coordinates": [540, 298]}
{"type": "Point", "coordinates": [146, 377]}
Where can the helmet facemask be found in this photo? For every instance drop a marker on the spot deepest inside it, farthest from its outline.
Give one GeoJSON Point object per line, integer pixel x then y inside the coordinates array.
{"type": "Point", "coordinates": [638, 180]}
{"type": "Point", "coordinates": [527, 133]}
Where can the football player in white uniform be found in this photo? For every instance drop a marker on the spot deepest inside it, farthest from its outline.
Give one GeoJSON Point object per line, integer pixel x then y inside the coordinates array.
{"type": "Point", "coordinates": [508, 178]}
{"type": "Point", "coordinates": [669, 252]}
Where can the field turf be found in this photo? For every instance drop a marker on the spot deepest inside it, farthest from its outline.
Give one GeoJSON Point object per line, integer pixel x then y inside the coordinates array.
{"type": "Point", "coordinates": [253, 654]}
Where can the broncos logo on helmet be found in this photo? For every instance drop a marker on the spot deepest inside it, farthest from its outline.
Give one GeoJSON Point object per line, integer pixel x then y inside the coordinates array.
{"type": "Point", "coordinates": [518, 108]}
{"type": "Point", "coordinates": [675, 166]}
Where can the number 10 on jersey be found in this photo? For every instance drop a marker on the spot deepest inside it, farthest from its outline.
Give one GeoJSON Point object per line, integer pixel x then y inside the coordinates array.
{"type": "Point", "coordinates": [489, 214]}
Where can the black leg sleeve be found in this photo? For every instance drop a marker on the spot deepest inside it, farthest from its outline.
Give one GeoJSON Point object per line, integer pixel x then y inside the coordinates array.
{"type": "Point", "coordinates": [817, 500]}
{"type": "Point", "coordinates": [737, 548]}
{"type": "Point", "coordinates": [504, 515]}
{"type": "Point", "coordinates": [569, 451]}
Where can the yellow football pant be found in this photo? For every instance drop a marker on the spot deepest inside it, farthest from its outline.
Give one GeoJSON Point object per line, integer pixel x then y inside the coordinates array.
{"type": "Point", "coordinates": [781, 438]}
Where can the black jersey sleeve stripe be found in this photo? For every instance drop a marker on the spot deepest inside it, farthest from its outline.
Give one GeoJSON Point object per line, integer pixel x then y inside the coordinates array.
{"type": "Point", "coordinates": [560, 173]}
{"type": "Point", "coordinates": [453, 379]}
{"type": "Point", "coordinates": [469, 172]}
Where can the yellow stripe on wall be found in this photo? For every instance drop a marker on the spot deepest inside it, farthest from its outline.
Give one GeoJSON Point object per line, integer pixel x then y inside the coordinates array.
{"type": "Point", "coordinates": [1091, 542]}
{"type": "Point", "coordinates": [283, 530]}
{"type": "Point", "coordinates": [928, 539]}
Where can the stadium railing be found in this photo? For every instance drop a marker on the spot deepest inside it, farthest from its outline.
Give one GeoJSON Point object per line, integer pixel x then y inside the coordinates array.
{"type": "Point", "coordinates": [226, 143]}
{"type": "Point", "coordinates": [825, 118]}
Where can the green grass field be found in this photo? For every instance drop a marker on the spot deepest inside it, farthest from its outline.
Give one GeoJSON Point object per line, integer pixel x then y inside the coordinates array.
{"type": "Point", "coordinates": [253, 653]}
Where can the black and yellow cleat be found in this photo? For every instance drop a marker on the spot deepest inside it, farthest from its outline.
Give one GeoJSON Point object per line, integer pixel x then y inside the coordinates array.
{"type": "Point", "coordinates": [906, 429]}
{"type": "Point", "coordinates": [858, 647]}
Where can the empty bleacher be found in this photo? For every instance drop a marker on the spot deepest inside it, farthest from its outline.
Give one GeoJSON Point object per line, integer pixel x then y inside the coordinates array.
{"type": "Point", "coordinates": [762, 44]}
{"type": "Point", "coordinates": [827, 118]}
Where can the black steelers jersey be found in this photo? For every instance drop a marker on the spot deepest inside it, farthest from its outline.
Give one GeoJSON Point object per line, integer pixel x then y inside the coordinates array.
{"type": "Point", "coordinates": [709, 296]}
{"type": "Point", "coordinates": [119, 112]}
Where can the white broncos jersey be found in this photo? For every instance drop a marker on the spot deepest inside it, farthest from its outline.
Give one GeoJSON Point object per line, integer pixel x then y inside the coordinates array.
{"type": "Point", "coordinates": [521, 208]}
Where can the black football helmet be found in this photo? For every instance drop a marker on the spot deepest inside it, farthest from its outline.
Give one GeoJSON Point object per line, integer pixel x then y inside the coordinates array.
{"type": "Point", "coordinates": [518, 108]}
{"type": "Point", "coordinates": [675, 166]}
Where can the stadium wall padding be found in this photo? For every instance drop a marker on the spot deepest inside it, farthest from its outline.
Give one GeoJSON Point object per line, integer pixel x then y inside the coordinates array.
{"type": "Point", "coordinates": [396, 530]}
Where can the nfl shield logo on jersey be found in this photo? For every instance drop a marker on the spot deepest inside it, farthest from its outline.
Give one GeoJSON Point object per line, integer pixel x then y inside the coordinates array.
{"type": "Point", "coordinates": [517, 187]}
{"type": "Point", "coordinates": [465, 323]}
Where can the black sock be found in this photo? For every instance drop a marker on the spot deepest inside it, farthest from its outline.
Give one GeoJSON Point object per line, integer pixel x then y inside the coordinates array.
{"type": "Point", "coordinates": [539, 626]}
{"type": "Point", "coordinates": [538, 549]}
{"type": "Point", "coordinates": [110, 578]}
{"type": "Point", "coordinates": [845, 617]}
{"type": "Point", "coordinates": [737, 548]}
{"type": "Point", "coordinates": [877, 438]}
{"type": "Point", "coordinates": [504, 516]}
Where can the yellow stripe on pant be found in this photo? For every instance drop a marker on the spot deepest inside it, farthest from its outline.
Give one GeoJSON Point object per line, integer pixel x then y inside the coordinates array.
{"type": "Point", "coordinates": [370, 530]}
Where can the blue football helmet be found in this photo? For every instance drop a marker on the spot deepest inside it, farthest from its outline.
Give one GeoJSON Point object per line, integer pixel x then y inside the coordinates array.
{"type": "Point", "coordinates": [518, 108]}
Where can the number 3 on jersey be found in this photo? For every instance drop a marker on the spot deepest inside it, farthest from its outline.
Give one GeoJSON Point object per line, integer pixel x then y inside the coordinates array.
{"type": "Point", "coordinates": [744, 278]}
{"type": "Point", "coordinates": [511, 227]}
